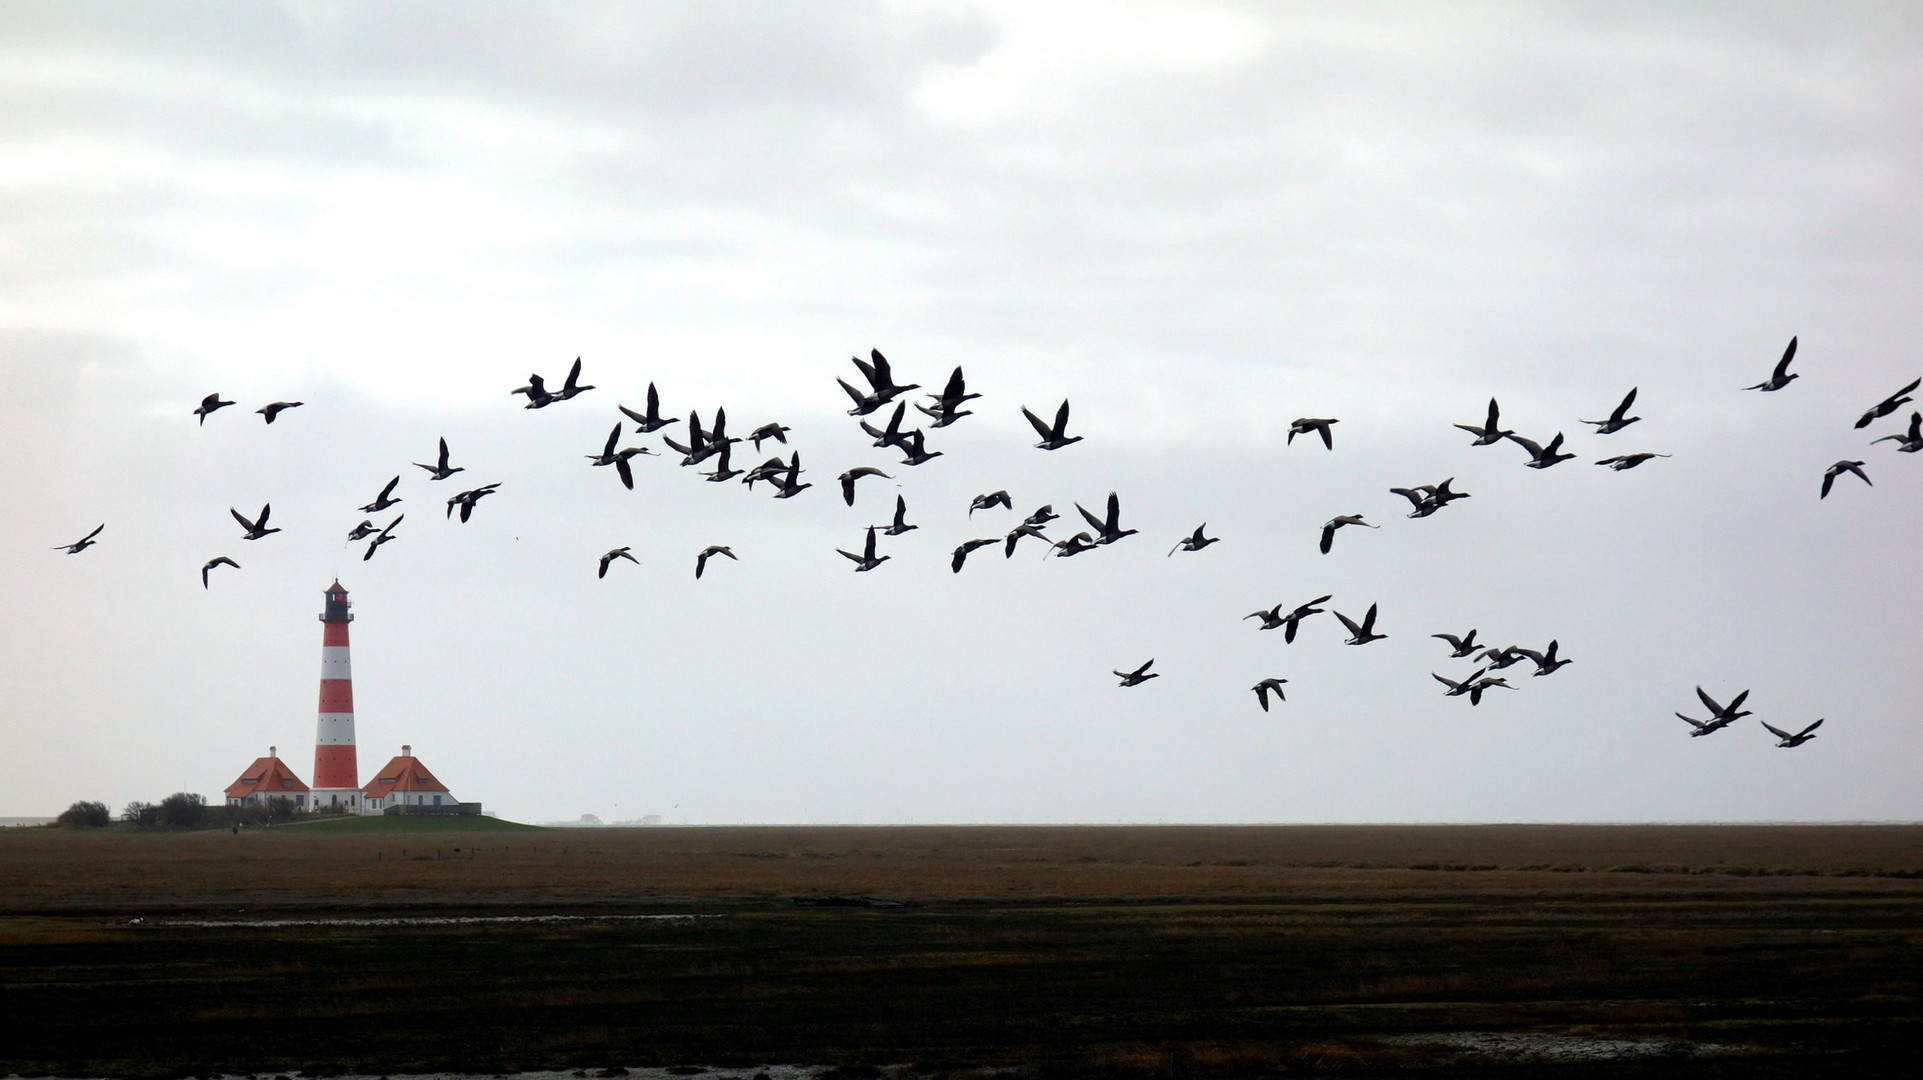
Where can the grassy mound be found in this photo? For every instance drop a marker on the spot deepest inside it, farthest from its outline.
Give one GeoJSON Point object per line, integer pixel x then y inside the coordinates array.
{"type": "Point", "coordinates": [452, 823]}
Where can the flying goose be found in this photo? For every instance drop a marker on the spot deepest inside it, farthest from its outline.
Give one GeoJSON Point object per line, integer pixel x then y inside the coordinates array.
{"type": "Point", "coordinates": [1293, 620]}
{"type": "Point", "coordinates": [1490, 432]}
{"type": "Point", "coordinates": [881, 378]}
{"type": "Point", "coordinates": [1545, 661]}
{"type": "Point", "coordinates": [83, 543]}
{"type": "Point", "coordinates": [1461, 646]}
{"type": "Point", "coordinates": [701, 560]}
{"type": "Point", "coordinates": [572, 386]}
{"type": "Point", "coordinates": [1015, 536]}
{"type": "Point", "coordinates": [1792, 741]}
{"type": "Point", "coordinates": [537, 393]}
{"type": "Point", "coordinates": [790, 487]}
{"type": "Point", "coordinates": [1887, 406]}
{"type": "Point", "coordinates": [917, 453]}
{"type": "Point", "coordinates": [774, 431]}
{"type": "Point", "coordinates": [1042, 516]}
{"type": "Point", "coordinates": [651, 421]}
{"type": "Point", "coordinates": [1702, 728]}
{"type": "Point", "coordinates": [848, 481]}
{"type": "Point", "coordinates": [900, 524]}
{"type": "Point", "coordinates": [362, 531]}
{"type": "Point", "coordinates": [1541, 457]}
{"type": "Point", "coordinates": [617, 553]}
{"type": "Point", "coordinates": [1909, 443]}
{"type": "Point", "coordinates": [948, 403]}
{"type": "Point", "coordinates": [383, 500]}
{"type": "Point", "coordinates": [867, 560]}
{"type": "Point", "coordinates": [1457, 688]}
{"type": "Point", "coordinates": [1429, 498]}
{"type": "Point", "coordinates": [1628, 461]}
{"type": "Point", "coordinates": [892, 435]}
{"type": "Point", "coordinates": [1780, 377]}
{"type": "Point", "coordinates": [1110, 527]}
{"type": "Point", "coordinates": [1195, 541]}
{"type": "Point", "coordinates": [208, 405]}
{"type": "Point", "coordinates": [1507, 656]}
{"type": "Point", "coordinates": [467, 499]}
{"type": "Point", "coordinates": [211, 563]}
{"type": "Point", "coordinates": [1136, 677]}
{"type": "Point", "coordinates": [1830, 474]}
{"type": "Point", "coordinates": [275, 408]}
{"type": "Point", "coordinates": [1329, 527]}
{"type": "Point", "coordinates": [961, 553]}
{"type": "Point", "coordinates": [722, 472]}
{"type": "Point", "coordinates": [1074, 545]}
{"type": "Point", "coordinates": [1053, 437]}
{"type": "Point", "coordinates": [1266, 687]}
{"type": "Point", "coordinates": [1487, 683]}
{"type": "Point", "coordinates": [990, 501]}
{"type": "Point", "coordinates": [1365, 632]}
{"type": "Point", "coordinates": [382, 537]}
{"type": "Point", "coordinates": [1721, 715]}
{"type": "Point", "coordinates": [1617, 420]}
{"type": "Point", "coordinates": [1271, 619]}
{"type": "Point", "coordinates": [1305, 425]}
{"type": "Point", "coordinates": [256, 528]}
{"type": "Point", "coordinates": [441, 470]}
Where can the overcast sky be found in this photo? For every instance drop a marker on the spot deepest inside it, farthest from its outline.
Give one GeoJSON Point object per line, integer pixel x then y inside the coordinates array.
{"type": "Point", "coordinates": [1196, 222]}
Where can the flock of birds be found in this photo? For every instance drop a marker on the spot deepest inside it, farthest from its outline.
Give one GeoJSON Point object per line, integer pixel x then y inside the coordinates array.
{"type": "Point", "coordinates": [713, 446]}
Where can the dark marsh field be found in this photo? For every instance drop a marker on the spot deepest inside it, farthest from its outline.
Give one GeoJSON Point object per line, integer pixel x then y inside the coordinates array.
{"type": "Point", "coordinates": [1127, 952]}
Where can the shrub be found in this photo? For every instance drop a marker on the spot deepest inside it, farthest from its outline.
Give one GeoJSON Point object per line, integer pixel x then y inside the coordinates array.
{"type": "Point", "coordinates": [182, 810]}
{"type": "Point", "coordinates": [86, 815]}
{"type": "Point", "coordinates": [144, 814]}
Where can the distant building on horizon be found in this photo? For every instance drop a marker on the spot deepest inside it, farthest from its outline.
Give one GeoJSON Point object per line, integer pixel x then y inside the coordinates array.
{"type": "Point", "coordinates": [267, 778]}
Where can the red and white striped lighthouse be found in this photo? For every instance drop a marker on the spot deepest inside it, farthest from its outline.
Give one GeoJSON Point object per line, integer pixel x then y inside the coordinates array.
{"type": "Point", "coordinates": [336, 775]}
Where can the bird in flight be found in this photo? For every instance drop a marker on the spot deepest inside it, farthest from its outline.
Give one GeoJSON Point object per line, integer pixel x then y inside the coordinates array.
{"type": "Point", "coordinates": [1054, 436]}
{"type": "Point", "coordinates": [1722, 715]}
{"type": "Point", "coordinates": [1016, 535]}
{"type": "Point", "coordinates": [573, 385]}
{"type": "Point", "coordinates": [208, 405]}
{"type": "Point", "coordinates": [1888, 405]}
{"type": "Point", "coordinates": [1293, 620]}
{"type": "Point", "coordinates": [1195, 541]}
{"type": "Point", "coordinates": [892, 435]}
{"type": "Point", "coordinates": [1364, 632]}
{"type": "Point", "coordinates": [1460, 646]}
{"type": "Point", "coordinates": [1546, 661]}
{"type": "Point", "coordinates": [467, 499]}
{"type": "Point", "coordinates": [961, 553]}
{"type": "Point", "coordinates": [382, 537]}
{"type": "Point", "coordinates": [1491, 430]}
{"type": "Point", "coordinates": [362, 531]}
{"type": "Point", "coordinates": [709, 552]}
{"type": "Point", "coordinates": [441, 470]}
{"type": "Point", "coordinates": [1110, 527]}
{"type": "Point", "coordinates": [990, 501]}
{"type": "Point", "coordinates": [211, 563]}
{"type": "Point", "coordinates": [651, 421]}
{"type": "Point", "coordinates": [1908, 443]}
{"type": "Point", "coordinates": [1074, 545]}
{"type": "Point", "coordinates": [918, 454]}
{"type": "Point", "coordinates": [1619, 419]}
{"type": "Point", "coordinates": [1541, 457]}
{"type": "Point", "coordinates": [1305, 425]}
{"type": "Point", "coordinates": [722, 472]}
{"type": "Point", "coordinates": [81, 544]}
{"type": "Point", "coordinates": [1459, 688]}
{"type": "Point", "coordinates": [775, 431]}
{"type": "Point", "coordinates": [1330, 526]}
{"type": "Point", "coordinates": [275, 408]}
{"type": "Point", "coordinates": [617, 553]}
{"type": "Point", "coordinates": [867, 560]}
{"type": "Point", "coordinates": [1429, 498]}
{"type": "Point", "coordinates": [609, 456]}
{"type": "Point", "coordinates": [790, 485]}
{"type": "Point", "coordinates": [948, 403]}
{"type": "Point", "coordinates": [1266, 687]}
{"type": "Point", "coordinates": [256, 528]}
{"type": "Point", "coordinates": [900, 524]}
{"type": "Point", "coordinates": [1271, 619]}
{"type": "Point", "coordinates": [1830, 474]}
{"type": "Point", "coordinates": [537, 393]}
{"type": "Point", "coordinates": [1137, 677]}
{"type": "Point", "coordinates": [881, 381]}
{"type": "Point", "coordinates": [383, 500]}
{"type": "Point", "coordinates": [848, 481]}
{"type": "Point", "coordinates": [1792, 741]}
{"type": "Point", "coordinates": [1627, 461]}
{"type": "Point", "coordinates": [1486, 683]}
{"type": "Point", "coordinates": [1780, 377]}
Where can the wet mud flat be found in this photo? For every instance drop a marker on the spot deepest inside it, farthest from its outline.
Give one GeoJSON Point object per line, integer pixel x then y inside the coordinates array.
{"type": "Point", "coordinates": [868, 954]}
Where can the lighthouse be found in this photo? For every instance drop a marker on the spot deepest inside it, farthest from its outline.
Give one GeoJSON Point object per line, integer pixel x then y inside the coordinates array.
{"type": "Point", "coordinates": [336, 776]}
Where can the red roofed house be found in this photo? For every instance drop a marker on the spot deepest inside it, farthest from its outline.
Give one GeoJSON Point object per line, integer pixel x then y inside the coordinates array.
{"type": "Point", "coordinates": [404, 781]}
{"type": "Point", "coordinates": [267, 778]}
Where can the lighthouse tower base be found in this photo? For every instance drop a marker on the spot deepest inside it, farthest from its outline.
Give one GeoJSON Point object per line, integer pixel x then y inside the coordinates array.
{"type": "Point", "coordinates": [327, 800]}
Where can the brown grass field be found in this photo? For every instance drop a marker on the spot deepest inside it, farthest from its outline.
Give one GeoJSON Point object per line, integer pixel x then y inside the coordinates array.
{"type": "Point", "coordinates": [1086, 951]}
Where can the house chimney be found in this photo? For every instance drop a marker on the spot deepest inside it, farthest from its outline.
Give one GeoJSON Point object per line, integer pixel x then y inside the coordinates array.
{"type": "Point", "coordinates": [273, 751]}
{"type": "Point", "coordinates": [406, 750]}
